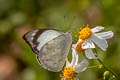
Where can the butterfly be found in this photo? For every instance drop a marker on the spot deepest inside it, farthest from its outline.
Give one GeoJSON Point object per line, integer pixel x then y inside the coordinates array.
{"type": "Point", "coordinates": [50, 46]}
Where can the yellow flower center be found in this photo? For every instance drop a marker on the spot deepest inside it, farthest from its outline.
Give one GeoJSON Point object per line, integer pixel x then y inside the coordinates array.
{"type": "Point", "coordinates": [68, 73]}
{"type": "Point", "coordinates": [85, 33]}
{"type": "Point", "coordinates": [79, 46]}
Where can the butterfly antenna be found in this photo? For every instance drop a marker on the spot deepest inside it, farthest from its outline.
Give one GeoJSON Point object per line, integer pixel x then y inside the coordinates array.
{"type": "Point", "coordinates": [71, 22]}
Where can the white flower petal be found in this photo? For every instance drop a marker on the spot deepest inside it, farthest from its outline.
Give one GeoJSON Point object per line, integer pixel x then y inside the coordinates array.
{"type": "Point", "coordinates": [88, 44]}
{"type": "Point", "coordinates": [102, 43]}
{"type": "Point", "coordinates": [89, 54]}
{"type": "Point", "coordinates": [67, 62]}
{"type": "Point", "coordinates": [76, 78]}
{"type": "Point", "coordinates": [74, 57]}
{"type": "Point", "coordinates": [81, 66]}
{"type": "Point", "coordinates": [97, 29]}
{"type": "Point", "coordinates": [105, 35]}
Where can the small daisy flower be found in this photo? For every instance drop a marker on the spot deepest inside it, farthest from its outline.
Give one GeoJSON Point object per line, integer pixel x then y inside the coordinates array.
{"type": "Point", "coordinates": [71, 69]}
{"type": "Point", "coordinates": [87, 38]}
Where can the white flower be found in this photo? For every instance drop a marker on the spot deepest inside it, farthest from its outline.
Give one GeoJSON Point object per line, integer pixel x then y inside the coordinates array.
{"type": "Point", "coordinates": [89, 36]}
{"type": "Point", "coordinates": [98, 38]}
{"type": "Point", "coordinates": [74, 67]}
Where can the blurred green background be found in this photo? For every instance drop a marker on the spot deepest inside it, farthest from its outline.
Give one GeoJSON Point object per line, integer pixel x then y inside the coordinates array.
{"type": "Point", "coordinates": [18, 62]}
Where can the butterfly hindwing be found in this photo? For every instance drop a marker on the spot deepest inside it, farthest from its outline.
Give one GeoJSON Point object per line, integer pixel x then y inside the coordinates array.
{"type": "Point", "coordinates": [53, 54]}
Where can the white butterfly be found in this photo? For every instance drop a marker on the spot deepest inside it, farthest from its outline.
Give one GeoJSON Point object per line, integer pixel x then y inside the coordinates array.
{"type": "Point", "coordinates": [51, 47]}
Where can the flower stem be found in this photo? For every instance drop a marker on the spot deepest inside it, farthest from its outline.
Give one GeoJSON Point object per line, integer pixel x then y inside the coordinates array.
{"type": "Point", "coordinates": [109, 69]}
{"type": "Point", "coordinates": [112, 72]}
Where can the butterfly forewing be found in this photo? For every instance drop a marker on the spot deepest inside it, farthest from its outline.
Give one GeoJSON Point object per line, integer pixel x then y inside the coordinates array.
{"type": "Point", "coordinates": [37, 38]}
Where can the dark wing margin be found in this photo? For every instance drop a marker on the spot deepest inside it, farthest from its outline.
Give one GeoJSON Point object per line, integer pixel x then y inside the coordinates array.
{"type": "Point", "coordinates": [33, 43]}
